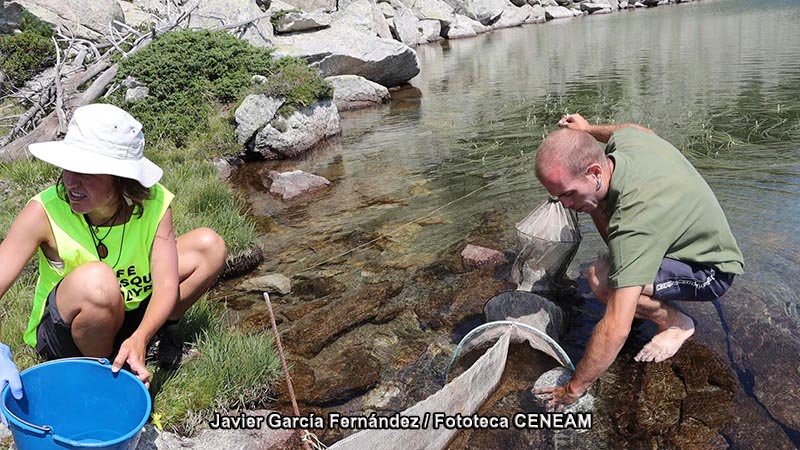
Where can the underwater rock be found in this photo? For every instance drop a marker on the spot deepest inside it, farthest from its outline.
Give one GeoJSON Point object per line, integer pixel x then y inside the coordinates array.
{"type": "Point", "coordinates": [273, 282]}
{"type": "Point", "coordinates": [290, 185]}
{"type": "Point", "coordinates": [474, 256]}
{"type": "Point", "coordinates": [319, 328]}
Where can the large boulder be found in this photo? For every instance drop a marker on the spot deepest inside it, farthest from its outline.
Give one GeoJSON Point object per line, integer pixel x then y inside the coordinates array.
{"type": "Point", "coordinates": [354, 92]}
{"type": "Point", "coordinates": [537, 15]}
{"type": "Point", "coordinates": [557, 12]}
{"type": "Point", "coordinates": [486, 12]}
{"type": "Point", "coordinates": [84, 18]}
{"type": "Point", "coordinates": [513, 16]}
{"type": "Point", "coordinates": [365, 17]}
{"type": "Point", "coordinates": [463, 27]}
{"type": "Point", "coordinates": [312, 5]}
{"type": "Point", "coordinates": [406, 26]}
{"type": "Point", "coordinates": [340, 51]}
{"type": "Point", "coordinates": [299, 21]}
{"type": "Point", "coordinates": [431, 9]}
{"type": "Point", "coordinates": [212, 14]}
{"type": "Point", "coordinates": [292, 136]}
{"type": "Point", "coordinates": [429, 31]}
{"type": "Point", "coordinates": [595, 7]}
{"type": "Point", "coordinates": [255, 111]}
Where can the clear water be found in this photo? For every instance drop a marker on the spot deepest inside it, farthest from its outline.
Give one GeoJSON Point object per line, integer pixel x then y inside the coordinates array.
{"type": "Point", "coordinates": [719, 79]}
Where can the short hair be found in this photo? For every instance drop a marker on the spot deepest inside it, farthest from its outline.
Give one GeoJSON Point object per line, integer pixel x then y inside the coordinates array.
{"type": "Point", "coordinates": [126, 188]}
{"type": "Point", "coordinates": [573, 149]}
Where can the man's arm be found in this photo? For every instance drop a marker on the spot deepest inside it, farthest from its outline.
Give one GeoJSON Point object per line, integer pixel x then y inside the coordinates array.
{"type": "Point", "coordinates": [601, 133]}
{"type": "Point", "coordinates": [607, 339]}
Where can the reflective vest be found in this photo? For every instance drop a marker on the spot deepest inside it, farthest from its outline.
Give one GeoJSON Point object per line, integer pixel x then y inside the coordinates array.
{"type": "Point", "coordinates": [128, 247]}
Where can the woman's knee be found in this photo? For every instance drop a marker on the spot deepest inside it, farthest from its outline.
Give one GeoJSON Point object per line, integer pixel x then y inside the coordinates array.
{"type": "Point", "coordinates": [210, 246]}
{"type": "Point", "coordinates": [91, 285]}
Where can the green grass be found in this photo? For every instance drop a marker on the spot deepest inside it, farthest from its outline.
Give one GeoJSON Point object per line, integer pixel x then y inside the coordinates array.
{"type": "Point", "coordinates": [235, 370]}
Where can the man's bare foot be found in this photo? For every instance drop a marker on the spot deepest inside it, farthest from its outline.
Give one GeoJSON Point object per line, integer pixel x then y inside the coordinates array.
{"type": "Point", "coordinates": [667, 342]}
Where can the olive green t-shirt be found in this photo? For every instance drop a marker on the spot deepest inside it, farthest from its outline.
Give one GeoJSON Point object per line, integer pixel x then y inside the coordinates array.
{"type": "Point", "coordinates": [659, 206]}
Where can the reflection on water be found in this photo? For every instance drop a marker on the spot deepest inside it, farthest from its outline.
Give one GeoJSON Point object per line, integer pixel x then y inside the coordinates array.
{"type": "Point", "coordinates": [413, 179]}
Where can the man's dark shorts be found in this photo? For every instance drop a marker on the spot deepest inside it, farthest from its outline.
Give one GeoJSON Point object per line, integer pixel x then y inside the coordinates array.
{"type": "Point", "coordinates": [679, 280]}
{"type": "Point", "coordinates": [54, 336]}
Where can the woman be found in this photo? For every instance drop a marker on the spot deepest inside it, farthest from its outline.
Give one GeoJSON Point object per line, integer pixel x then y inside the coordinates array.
{"type": "Point", "coordinates": [111, 271]}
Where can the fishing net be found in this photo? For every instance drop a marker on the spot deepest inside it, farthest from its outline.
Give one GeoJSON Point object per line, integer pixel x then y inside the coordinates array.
{"type": "Point", "coordinates": [547, 240]}
{"type": "Point", "coordinates": [521, 317]}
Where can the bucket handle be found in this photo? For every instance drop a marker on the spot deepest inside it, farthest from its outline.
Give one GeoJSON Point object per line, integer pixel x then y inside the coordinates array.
{"type": "Point", "coordinates": [47, 429]}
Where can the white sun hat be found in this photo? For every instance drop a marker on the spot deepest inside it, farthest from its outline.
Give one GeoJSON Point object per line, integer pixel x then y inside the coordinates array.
{"type": "Point", "coordinates": [101, 139]}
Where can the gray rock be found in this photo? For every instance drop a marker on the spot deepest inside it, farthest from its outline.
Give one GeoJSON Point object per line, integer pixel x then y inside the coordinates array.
{"type": "Point", "coordinates": [595, 7]}
{"type": "Point", "coordinates": [386, 9]}
{"type": "Point", "coordinates": [406, 26]}
{"type": "Point", "coordinates": [559, 377]}
{"type": "Point", "coordinates": [296, 183]}
{"type": "Point", "coordinates": [363, 16]}
{"type": "Point", "coordinates": [258, 79]}
{"type": "Point", "coordinates": [292, 136]}
{"type": "Point", "coordinates": [430, 31]}
{"type": "Point", "coordinates": [311, 5]}
{"type": "Point", "coordinates": [214, 13]}
{"type": "Point", "coordinates": [84, 18]}
{"type": "Point", "coordinates": [354, 92]}
{"type": "Point", "coordinates": [10, 15]}
{"type": "Point", "coordinates": [537, 15]}
{"type": "Point", "coordinates": [338, 51]}
{"type": "Point", "coordinates": [136, 17]}
{"type": "Point", "coordinates": [293, 22]}
{"type": "Point", "coordinates": [463, 27]}
{"type": "Point", "coordinates": [513, 17]}
{"type": "Point", "coordinates": [255, 111]}
{"type": "Point", "coordinates": [557, 12]}
{"type": "Point", "coordinates": [486, 12]}
{"type": "Point", "coordinates": [271, 282]}
{"type": "Point", "coordinates": [226, 165]}
{"type": "Point", "coordinates": [638, 5]}
{"type": "Point", "coordinates": [137, 93]}
{"type": "Point", "coordinates": [475, 256]}
{"type": "Point", "coordinates": [519, 3]}
{"type": "Point", "coordinates": [431, 9]}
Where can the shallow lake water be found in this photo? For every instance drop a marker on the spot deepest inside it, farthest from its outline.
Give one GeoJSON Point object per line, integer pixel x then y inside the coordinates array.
{"type": "Point", "coordinates": [414, 179]}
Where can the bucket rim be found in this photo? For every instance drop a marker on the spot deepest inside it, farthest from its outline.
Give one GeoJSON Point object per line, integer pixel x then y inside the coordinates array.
{"type": "Point", "coordinates": [48, 429]}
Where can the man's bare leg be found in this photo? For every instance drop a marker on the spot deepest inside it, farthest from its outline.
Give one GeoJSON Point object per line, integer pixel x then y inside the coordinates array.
{"type": "Point", "coordinates": [674, 327]}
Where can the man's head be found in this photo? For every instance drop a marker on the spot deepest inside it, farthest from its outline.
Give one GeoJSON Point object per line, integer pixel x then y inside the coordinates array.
{"type": "Point", "coordinates": [571, 165]}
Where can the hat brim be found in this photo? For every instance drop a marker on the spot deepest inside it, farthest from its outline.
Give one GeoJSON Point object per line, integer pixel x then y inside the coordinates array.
{"type": "Point", "coordinates": [76, 159]}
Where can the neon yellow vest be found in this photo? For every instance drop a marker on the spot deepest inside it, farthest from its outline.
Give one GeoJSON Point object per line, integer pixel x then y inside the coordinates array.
{"type": "Point", "coordinates": [128, 255]}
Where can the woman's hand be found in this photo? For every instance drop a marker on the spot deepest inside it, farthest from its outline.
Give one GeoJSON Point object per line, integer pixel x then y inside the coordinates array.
{"type": "Point", "coordinates": [132, 352]}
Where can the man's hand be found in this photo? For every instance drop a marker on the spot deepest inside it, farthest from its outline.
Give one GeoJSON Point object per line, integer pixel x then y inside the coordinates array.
{"type": "Point", "coordinates": [132, 351]}
{"type": "Point", "coordinates": [574, 122]}
{"type": "Point", "coordinates": [557, 397]}
{"type": "Point", "coordinates": [9, 374]}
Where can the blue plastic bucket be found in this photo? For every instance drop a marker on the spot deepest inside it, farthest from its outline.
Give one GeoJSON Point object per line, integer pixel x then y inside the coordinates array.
{"type": "Point", "coordinates": [77, 403]}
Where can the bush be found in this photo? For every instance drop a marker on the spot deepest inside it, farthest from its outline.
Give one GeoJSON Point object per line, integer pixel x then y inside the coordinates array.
{"type": "Point", "coordinates": [299, 84]}
{"type": "Point", "coordinates": [186, 71]}
{"type": "Point", "coordinates": [25, 54]}
{"type": "Point", "coordinates": [190, 74]}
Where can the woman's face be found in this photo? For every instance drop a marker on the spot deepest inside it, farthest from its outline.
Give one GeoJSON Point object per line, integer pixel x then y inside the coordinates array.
{"type": "Point", "coordinates": [87, 193]}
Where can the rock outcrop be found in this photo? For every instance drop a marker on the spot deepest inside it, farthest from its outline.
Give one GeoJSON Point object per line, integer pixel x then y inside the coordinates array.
{"type": "Point", "coordinates": [85, 18]}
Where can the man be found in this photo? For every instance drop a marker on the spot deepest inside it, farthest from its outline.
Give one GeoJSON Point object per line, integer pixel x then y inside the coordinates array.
{"type": "Point", "coordinates": [667, 236]}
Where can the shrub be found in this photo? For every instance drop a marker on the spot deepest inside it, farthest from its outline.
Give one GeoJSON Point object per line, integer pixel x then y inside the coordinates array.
{"type": "Point", "coordinates": [186, 71]}
{"type": "Point", "coordinates": [299, 84]}
{"type": "Point", "coordinates": [25, 54]}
